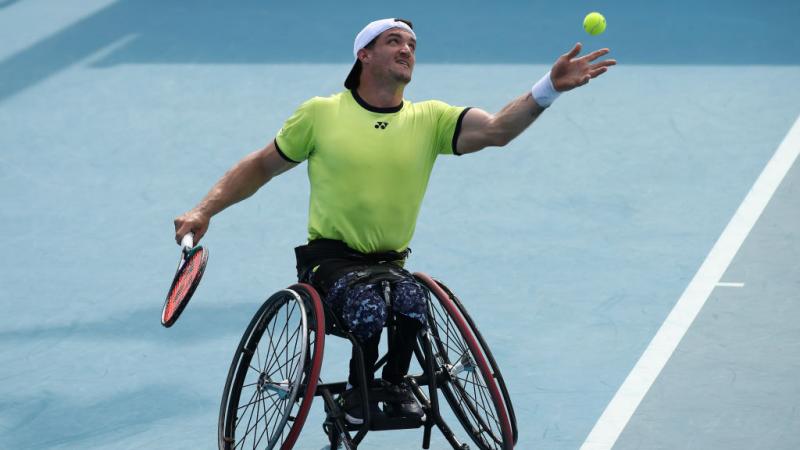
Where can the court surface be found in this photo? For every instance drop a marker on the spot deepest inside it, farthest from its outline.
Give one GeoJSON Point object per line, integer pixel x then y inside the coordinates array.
{"type": "Point", "coordinates": [570, 247]}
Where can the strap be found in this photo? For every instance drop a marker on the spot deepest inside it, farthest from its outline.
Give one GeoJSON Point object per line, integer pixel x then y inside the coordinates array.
{"type": "Point", "coordinates": [315, 252]}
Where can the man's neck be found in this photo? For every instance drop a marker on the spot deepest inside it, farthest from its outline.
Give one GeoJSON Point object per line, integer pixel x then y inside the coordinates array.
{"type": "Point", "coordinates": [382, 96]}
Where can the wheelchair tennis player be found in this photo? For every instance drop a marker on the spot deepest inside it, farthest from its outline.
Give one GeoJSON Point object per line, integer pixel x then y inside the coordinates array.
{"type": "Point", "coordinates": [370, 153]}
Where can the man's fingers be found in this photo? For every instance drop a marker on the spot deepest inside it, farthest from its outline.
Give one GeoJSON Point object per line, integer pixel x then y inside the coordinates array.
{"type": "Point", "coordinates": [179, 223]}
{"type": "Point", "coordinates": [600, 68]}
{"type": "Point", "coordinates": [180, 234]}
{"type": "Point", "coordinates": [199, 230]}
{"type": "Point", "coordinates": [595, 54]}
{"type": "Point", "coordinates": [606, 63]}
{"type": "Point", "coordinates": [574, 52]}
{"type": "Point", "coordinates": [594, 73]}
{"type": "Point", "coordinates": [182, 228]}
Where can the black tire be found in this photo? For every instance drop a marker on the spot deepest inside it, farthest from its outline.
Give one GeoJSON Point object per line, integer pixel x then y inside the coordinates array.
{"type": "Point", "coordinates": [271, 382]}
{"type": "Point", "coordinates": [471, 383]}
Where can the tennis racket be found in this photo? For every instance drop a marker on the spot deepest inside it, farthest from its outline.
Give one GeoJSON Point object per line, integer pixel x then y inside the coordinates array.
{"type": "Point", "coordinates": [190, 269]}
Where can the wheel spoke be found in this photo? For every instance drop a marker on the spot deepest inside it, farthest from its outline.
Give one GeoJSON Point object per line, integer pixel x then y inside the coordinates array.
{"type": "Point", "coordinates": [270, 369]}
{"type": "Point", "coordinates": [484, 405]}
{"type": "Point", "coordinates": [253, 402]}
{"type": "Point", "coordinates": [296, 353]}
{"type": "Point", "coordinates": [250, 402]}
{"type": "Point", "coordinates": [475, 404]}
{"type": "Point", "coordinates": [255, 425]}
{"type": "Point", "coordinates": [272, 345]}
{"type": "Point", "coordinates": [258, 358]}
{"type": "Point", "coordinates": [279, 408]}
{"type": "Point", "coordinates": [276, 352]}
{"type": "Point", "coordinates": [266, 427]}
{"type": "Point", "coordinates": [283, 366]}
{"type": "Point", "coordinates": [248, 427]}
{"type": "Point", "coordinates": [469, 393]}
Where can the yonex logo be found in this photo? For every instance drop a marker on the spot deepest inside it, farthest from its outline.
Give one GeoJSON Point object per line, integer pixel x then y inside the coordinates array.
{"type": "Point", "coordinates": [381, 125]}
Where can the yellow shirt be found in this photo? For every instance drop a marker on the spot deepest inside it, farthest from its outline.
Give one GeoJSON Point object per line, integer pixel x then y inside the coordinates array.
{"type": "Point", "coordinates": [368, 167]}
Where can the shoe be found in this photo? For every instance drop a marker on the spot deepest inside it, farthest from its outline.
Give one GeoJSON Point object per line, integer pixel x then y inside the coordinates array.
{"type": "Point", "coordinates": [349, 402]}
{"type": "Point", "coordinates": [403, 403]}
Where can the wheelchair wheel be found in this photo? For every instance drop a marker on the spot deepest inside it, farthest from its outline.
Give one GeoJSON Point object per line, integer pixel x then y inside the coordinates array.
{"type": "Point", "coordinates": [471, 386]}
{"type": "Point", "coordinates": [489, 357]}
{"type": "Point", "coordinates": [274, 373]}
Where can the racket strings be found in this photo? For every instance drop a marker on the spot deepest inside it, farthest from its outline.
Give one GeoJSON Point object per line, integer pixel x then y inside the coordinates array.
{"type": "Point", "coordinates": [185, 279]}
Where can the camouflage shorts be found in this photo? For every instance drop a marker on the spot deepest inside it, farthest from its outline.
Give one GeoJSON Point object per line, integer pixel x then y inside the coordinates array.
{"type": "Point", "coordinates": [363, 309]}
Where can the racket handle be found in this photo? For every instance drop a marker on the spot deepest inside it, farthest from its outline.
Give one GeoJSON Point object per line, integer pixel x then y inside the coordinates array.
{"type": "Point", "coordinates": [188, 241]}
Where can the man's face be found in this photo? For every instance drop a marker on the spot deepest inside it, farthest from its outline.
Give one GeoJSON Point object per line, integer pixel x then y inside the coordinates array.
{"type": "Point", "coordinates": [392, 55]}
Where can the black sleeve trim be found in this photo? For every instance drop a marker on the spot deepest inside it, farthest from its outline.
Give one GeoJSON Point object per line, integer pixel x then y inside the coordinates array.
{"type": "Point", "coordinates": [458, 130]}
{"type": "Point", "coordinates": [283, 155]}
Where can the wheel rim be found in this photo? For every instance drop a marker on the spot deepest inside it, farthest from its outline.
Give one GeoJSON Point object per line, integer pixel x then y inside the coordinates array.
{"type": "Point", "coordinates": [465, 389]}
{"type": "Point", "coordinates": [271, 375]}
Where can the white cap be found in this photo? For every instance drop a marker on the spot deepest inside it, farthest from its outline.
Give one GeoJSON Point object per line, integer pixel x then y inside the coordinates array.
{"type": "Point", "coordinates": [364, 37]}
{"type": "Point", "coordinates": [374, 29]}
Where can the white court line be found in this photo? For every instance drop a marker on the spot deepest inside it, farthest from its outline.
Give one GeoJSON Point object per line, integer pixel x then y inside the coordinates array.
{"type": "Point", "coordinates": [617, 414]}
{"type": "Point", "coordinates": [729, 284]}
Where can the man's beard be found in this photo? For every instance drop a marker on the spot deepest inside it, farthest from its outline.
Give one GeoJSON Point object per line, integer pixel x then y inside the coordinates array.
{"type": "Point", "coordinates": [401, 77]}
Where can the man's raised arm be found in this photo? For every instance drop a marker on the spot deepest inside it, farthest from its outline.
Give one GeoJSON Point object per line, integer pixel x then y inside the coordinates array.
{"type": "Point", "coordinates": [240, 182]}
{"type": "Point", "coordinates": [480, 129]}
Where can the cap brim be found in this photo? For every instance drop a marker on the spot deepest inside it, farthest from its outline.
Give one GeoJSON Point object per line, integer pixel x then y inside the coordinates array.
{"type": "Point", "coordinates": [351, 82]}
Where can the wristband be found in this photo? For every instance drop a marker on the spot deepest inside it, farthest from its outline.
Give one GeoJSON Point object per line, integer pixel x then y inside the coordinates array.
{"type": "Point", "coordinates": [544, 93]}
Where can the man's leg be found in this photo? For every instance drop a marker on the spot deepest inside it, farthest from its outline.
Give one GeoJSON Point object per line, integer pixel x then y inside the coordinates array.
{"type": "Point", "coordinates": [401, 348]}
{"type": "Point", "coordinates": [369, 349]}
{"type": "Point", "coordinates": [409, 302]}
{"type": "Point", "coordinates": [364, 313]}
{"type": "Point", "coordinates": [350, 400]}
{"type": "Point", "coordinates": [361, 310]}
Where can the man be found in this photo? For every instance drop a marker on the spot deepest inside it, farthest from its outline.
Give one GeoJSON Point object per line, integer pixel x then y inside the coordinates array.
{"type": "Point", "coordinates": [370, 154]}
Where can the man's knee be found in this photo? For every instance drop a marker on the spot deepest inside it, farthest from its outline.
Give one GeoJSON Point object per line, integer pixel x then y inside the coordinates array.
{"type": "Point", "coordinates": [410, 299]}
{"type": "Point", "coordinates": [356, 296]}
{"type": "Point", "coordinates": [364, 310]}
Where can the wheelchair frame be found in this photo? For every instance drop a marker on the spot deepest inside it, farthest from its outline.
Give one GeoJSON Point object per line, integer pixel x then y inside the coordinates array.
{"type": "Point", "coordinates": [497, 431]}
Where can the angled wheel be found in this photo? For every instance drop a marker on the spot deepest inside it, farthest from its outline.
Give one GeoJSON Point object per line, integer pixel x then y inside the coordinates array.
{"type": "Point", "coordinates": [471, 382]}
{"type": "Point", "coordinates": [274, 373]}
{"type": "Point", "coordinates": [489, 357]}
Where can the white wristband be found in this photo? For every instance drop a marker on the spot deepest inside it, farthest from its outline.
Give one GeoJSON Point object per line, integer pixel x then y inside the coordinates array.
{"type": "Point", "coordinates": [544, 93]}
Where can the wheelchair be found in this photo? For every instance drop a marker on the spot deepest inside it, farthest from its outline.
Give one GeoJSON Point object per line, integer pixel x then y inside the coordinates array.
{"type": "Point", "coordinates": [275, 375]}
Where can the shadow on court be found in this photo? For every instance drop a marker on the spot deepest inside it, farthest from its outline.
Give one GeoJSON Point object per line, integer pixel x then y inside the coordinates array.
{"type": "Point", "coordinates": [70, 423]}
{"type": "Point", "coordinates": [140, 326]}
{"type": "Point", "coordinates": [525, 32]}
{"type": "Point", "coordinates": [7, 3]}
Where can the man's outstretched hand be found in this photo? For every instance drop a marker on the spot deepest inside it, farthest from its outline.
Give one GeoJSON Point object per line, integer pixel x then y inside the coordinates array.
{"type": "Point", "coordinates": [570, 72]}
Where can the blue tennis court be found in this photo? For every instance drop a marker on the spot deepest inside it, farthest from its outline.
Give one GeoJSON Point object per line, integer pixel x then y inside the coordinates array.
{"type": "Point", "coordinates": [578, 248]}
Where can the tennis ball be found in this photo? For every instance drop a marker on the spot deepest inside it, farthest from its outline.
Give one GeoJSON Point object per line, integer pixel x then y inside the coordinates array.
{"type": "Point", "coordinates": [594, 23]}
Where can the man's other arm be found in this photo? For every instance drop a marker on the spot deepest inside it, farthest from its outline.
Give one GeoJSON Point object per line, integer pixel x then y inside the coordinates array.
{"type": "Point", "coordinates": [238, 183]}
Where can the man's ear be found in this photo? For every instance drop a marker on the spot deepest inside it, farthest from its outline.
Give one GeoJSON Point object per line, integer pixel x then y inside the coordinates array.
{"type": "Point", "coordinates": [363, 55]}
